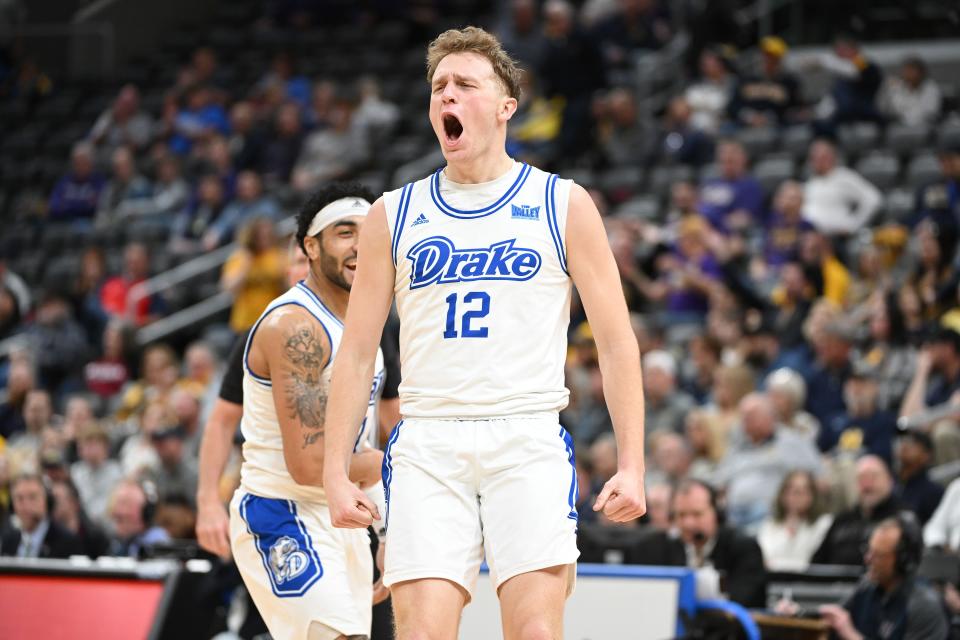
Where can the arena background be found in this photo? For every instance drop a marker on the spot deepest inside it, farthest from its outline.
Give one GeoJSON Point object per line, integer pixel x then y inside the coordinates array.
{"type": "Point", "coordinates": [151, 155]}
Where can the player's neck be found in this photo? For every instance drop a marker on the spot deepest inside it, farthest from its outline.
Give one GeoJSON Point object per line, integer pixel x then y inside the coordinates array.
{"type": "Point", "coordinates": [482, 169]}
{"type": "Point", "coordinates": [333, 296]}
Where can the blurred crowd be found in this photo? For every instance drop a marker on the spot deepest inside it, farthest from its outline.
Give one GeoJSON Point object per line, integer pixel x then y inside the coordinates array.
{"type": "Point", "coordinates": [800, 343]}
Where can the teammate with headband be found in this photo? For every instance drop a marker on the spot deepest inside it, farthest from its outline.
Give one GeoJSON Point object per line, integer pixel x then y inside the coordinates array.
{"type": "Point", "coordinates": [309, 580]}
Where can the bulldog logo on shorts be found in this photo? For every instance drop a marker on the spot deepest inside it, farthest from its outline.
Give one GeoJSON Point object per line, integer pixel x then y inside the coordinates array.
{"type": "Point", "coordinates": [287, 561]}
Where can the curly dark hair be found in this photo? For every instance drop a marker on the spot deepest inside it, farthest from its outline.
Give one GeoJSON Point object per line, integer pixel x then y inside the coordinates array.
{"type": "Point", "coordinates": [323, 197]}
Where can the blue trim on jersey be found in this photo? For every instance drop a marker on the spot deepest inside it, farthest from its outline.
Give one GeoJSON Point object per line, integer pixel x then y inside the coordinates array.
{"type": "Point", "coordinates": [320, 303]}
{"type": "Point", "coordinates": [477, 213]}
{"type": "Point", "coordinates": [386, 470]}
{"type": "Point", "coordinates": [550, 198]}
{"type": "Point", "coordinates": [574, 487]}
{"type": "Point", "coordinates": [246, 351]}
{"type": "Point", "coordinates": [400, 220]}
{"type": "Point", "coordinates": [284, 544]}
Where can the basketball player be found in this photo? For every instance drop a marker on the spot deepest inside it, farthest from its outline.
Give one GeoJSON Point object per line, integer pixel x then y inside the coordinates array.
{"type": "Point", "coordinates": [480, 257]}
{"type": "Point", "coordinates": [307, 579]}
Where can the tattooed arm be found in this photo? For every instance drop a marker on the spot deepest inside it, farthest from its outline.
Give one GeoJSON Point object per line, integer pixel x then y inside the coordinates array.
{"type": "Point", "coordinates": [294, 349]}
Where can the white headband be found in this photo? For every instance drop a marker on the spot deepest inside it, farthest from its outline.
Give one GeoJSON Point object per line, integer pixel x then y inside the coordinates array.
{"type": "Point", "coordinates": [337, 211]}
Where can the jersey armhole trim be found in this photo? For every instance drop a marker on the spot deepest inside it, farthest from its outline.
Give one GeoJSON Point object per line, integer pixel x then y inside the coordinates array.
{"type": "Point", "coordinates": [550, 198]}
{"type": "Point", "coordinates": [400, 219]}
{"type": "Point", "coordinates": [246, 351]}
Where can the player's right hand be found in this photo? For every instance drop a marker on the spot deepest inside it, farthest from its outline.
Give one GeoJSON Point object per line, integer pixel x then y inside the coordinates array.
{"type": "Point", "coordinates": [350, 508]}
{"type": "Point", "coordinates": [213, 528]}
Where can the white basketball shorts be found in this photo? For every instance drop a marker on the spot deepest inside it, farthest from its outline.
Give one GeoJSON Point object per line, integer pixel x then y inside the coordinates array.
{"type": "Point", "coordinates": [299, 569]}
{"type": "Point", "coordinates": [459, 490]}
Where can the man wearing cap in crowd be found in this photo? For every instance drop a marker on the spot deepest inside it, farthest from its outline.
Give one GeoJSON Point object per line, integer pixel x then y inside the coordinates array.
{"type": "Point", "coordinates": [771, 97]}
{"type": "Point", "coordinates": [936, 381]}
{"type": "Point", "coordinates": [913, 455]}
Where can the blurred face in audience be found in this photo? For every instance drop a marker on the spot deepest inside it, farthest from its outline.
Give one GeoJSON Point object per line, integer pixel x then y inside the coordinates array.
{"type": "Point", "coordinates": [658, 383]}
{"type": "Point", "coordinates": [881, 556]}
{"type": "Point", "coordinates": [93, 451]}
{"type": "Point", "coordinates": [136, 261]}
{"type": "Point", "coordinates": [860, 396]}
{"type": "Point", "coordinates": [683, 196]}
{"type": "Point", "coordinates": [603, 452]}
{"type": "Point", "coordinates": [911, 74]}
{"type": "Point", "coordinates": [732, 160]}
{"type": "Point", "coordinates": [698, 432]}
{"type": "Point", "coordinates": [711, 66]}
{"type": "Point", "coordinates": [78, 412]}
{"type": "Point", "coordinates": [126, 510]}
{"type": "Point", "coordinates": [297, 264]}
{"type": "Point", "coordinates": [789, 200]}
{"type": "Point", "coordinates": [822, 157]}
{"type": "Point", "coordinates": [658, 506]}
{"type": "Point", "coordinates": [122, 163]}
{"type": "Point", "coordinates": [797, 498]}
{"type": "Point", "coordinates": [694, 516]}
{"type": "Point", "coordinates": [65, 508]}
{"type": "Point", "coordinates": [211, 191]}
{"type": "Point", "coordinates": [248, 186]}
{"type": "Point", "coordinates": [158, 369]}
{"type": "Point", "coordinates": [29, 503]}
{"type": "Point", "coordinates": [37, 410]}
{"type": "Point", "coordinates": [759, 421]}
{"type": "Point", "coordinates": [874, 482]}
{"type": "Point", "coordinates": [81, 161]}
{"type": "Point", "coordinates": [19, 382]}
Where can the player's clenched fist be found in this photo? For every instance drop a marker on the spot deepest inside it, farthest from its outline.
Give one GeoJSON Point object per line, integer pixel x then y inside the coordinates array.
{"type": "Point", "coordinates": [350, 508]}
{"type": "Point", "coordinates": [622, 498]}
{"type": "Point", "coordinates": [213, 528]}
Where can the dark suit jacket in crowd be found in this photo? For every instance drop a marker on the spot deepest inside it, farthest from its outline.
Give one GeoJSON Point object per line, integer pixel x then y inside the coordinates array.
{"type": "Point", "coordinates": [58, 543]}
{"type": "Point", "coordinates": [850, 530]}
{"type": "Point", "coordinates": [735, 555]}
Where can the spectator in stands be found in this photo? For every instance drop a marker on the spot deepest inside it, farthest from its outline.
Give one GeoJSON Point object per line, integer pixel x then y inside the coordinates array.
{"type": "Point", "coordinates": [125, 187]}
{"type": "Point", "coordinates": [246, 141]}
{"type": "Point", "coordinates": [709, 545]}
{"type": "Point", "coordinates": [853, 95]}
{"type": "Point", "coordinates": [733, 200]}
{"type": "Point", "coordinates": [58, 342]}
{"type": "Point", "coordinates": [730, 384]}
{"type": "Point", "coordinates": [37, 535]}
{"type": "Point", "coordinates": [940, 200]}
{"type": "Point", "coordinates": [936, 381]}
{"type": "Point", "coordinates": [123, 124]}
{"type": "Point", "coordinates": [107, 375]}
{"type": "Point", "coordinates": [132, 506]}
{"type": "Point", "coordinates": [788, 393]}
{"type": "Point", "coordinates": [20, 381]}
{"type": "Point", "coordinates": [760, 348]}
{"type": "Point", "coordinates": [633, 26]}
{"type": "Point", "coordinates": [943, 528]}
{"type": "Point", "coordinates": [688, 275]}
{"type": "Point", "coordinates": [283, 147]}
{"type": "Point", "coordinates": [138, 457]}
{"type": "Point", "coordinates": [827, 377]}
{"type": "Point", "coordinates": [535, 124]}
{"type": "Point", "coordinates": [95, 474]}
{"type": "Point", "coordinates": [571, 67]}
{"type": "Point", "coordinates": [254, 273]}
{"type": "Point", "coordinates": [696, 429]}
{"type": "Point", "coordinates": [78, 415]}
{"type": "Point", "coordinates": [115, 296]}
{"type": "Point", "coordinates": [670, 459]}
{"type": "Point", "coordinates": [9, 313]}
{"type": "Point", "coordinates": [916, 491]}
{"type": "Point", "coordinates": [620, 135]}
{"type": "Point", "coordinates": [837, 200]}
{"type": "Point", "coordinates": [186, 408]}
{"type": "Point", "coordinates": [200, 119]}
{"type": "Point", "coordinates": [913, 97]}
{"type": "Point", "coordinates": [203, 69]}
{"type": "Point", "coordinates": [875, 502]}
{"type": "Point", "coordinates": [160, 371]}
{"type": "Point", "coordinates": [374, 116]}
{"type": "Point", "coordinates": [603, 453]}
{"type": "Point", "coordinates": [284, 79]}
{"type": "Point", "coordinates": [664, 404]}
{"type": "Point", "coordinates": [317, 116]}
{"type": "Point", "coordinates": [76, 195]}
{"type": "Point", "coordinates": [785, 226]}
{"type": "Point", "coordinates": [679, 140]}
{"type": "Point", "coordinates": [758, 458]}
{"type": "Point", "coordinates": [86, 291]}
{"type": "Point", "coordinates": [191, 224]}
{"type": "Point", "coordinates": [520, 33]}
{"type": "Point", "coordinates": [15, 285]}
{"type": "Point", "coordinates": [201, 372]}
{"type": "Point", "coordinates": [710, 95]}
{"type": "Point", "coordinates": [770, 98]}
{"type": "Point", "coordinates": [659, 497]}
{"type": "Point", "coordinates": [818, 256]}
{"type": "Point", "coordinates": [935, 275]}
{"type": "Point", "coordinates": [888, 351]}
{"type": "Point", "coordinates": [176, 473]}
{"type": "Point", "coordinates": [169, 194]}
{"type": "Point", "coordinates": [331, 153]}
{"type": "Point", "coordinates": [700, 367]}
{"type": "Point", "coordinates": [37, 417]}
{"type": "Point", "coordinates": [793, 532]}
{"type": "Point", "coordinates": [250, 203]}
{"type": "Point", "coordinates": [890, 602]}
{"type": "Point", "coordinates": [69, 514]}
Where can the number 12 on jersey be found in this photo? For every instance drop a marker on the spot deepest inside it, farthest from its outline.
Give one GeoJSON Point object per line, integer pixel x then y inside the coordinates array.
{"type": "Point", "coordinates": [472, 313]}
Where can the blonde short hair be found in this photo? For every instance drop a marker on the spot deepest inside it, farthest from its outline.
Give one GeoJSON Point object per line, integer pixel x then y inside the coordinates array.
{"type": "Point", "coordinates": [475, 40]}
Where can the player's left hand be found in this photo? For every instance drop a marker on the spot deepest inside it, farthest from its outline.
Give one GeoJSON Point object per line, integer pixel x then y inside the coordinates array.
{"type": "Point", "coordinates": [622, 498]}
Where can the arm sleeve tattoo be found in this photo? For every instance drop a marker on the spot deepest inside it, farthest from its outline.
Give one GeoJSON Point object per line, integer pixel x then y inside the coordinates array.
{"type": "Point", "coordinates": [304, 355]}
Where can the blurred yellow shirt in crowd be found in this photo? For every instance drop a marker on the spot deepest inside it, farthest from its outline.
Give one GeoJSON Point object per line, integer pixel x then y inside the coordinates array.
{"type": "Point", "coordinates": [263, 283]}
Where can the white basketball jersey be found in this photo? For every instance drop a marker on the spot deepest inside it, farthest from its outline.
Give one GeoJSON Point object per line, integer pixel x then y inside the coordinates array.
{"type": "Point", "coordinates": [483, 294]}
{"type": "Point", "coordinates": [264, 471]}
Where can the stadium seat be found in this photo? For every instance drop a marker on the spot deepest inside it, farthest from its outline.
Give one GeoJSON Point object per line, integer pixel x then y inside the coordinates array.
{"type": "Point", "coordinates": [923, 169]}
{"type": "Point", "coordinates": [708, 172]}
{"type": "Point", "coordinates": [620, 183]}
{"type": "Point", "coordinates": [796, 140]}
{"type": "Point", "coordinates": [758, 140]}
{"type": "Point", "coordinates": [904, 138]}
{"type": "Point", "coordinates": [879, 167]}
{"type": "Point", "coordinates": [770, 172]}
{"type": "Point", "coordinates": [646, 207]}
{"type": "Point", "coordinates": [898, 204]}
{"type": "Point", "coordinates": [859, 138]}
{"type": "Point", "coordinates": [949, 133]}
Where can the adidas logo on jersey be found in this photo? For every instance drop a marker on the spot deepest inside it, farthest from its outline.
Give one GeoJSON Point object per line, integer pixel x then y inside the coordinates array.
{"type": "Point", "coordinates": [436, 260]}
{"type": "Point", "coordinates": [421, 219]}
{"type": "Point", "coordinates": [525, 212]}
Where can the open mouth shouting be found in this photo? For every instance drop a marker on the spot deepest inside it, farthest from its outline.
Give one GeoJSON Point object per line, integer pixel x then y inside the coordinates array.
{"type": "Point", "coordinates": [452, 129]}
